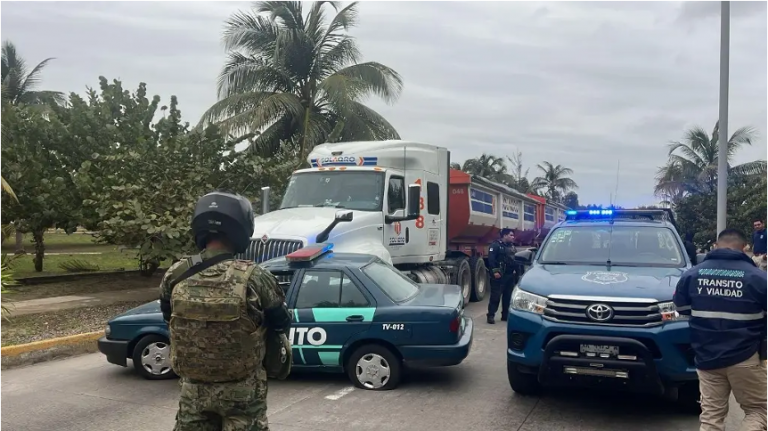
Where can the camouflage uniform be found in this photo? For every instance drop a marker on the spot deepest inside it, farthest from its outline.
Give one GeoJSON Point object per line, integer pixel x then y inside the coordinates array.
{"type": "Point", "coordinates": [237, 405]}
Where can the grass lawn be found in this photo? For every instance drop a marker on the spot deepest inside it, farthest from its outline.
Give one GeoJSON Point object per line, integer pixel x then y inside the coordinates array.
{"type": "Point", "coordinates": [60, 248]}
{"type": "Point", "coordinates": [23, 266]}
{"type": "Point", "coordinates": [58, 242]}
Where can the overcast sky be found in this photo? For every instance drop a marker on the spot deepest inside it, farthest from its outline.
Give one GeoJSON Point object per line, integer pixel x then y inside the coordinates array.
{"type": "Point", "coordinates": [585, 85]}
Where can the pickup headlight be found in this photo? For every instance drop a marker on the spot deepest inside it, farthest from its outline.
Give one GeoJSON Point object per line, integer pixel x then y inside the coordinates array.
{"type": "Point", "coordinates": [524, 301]}
{"type": "Point", "coordinates": [669, 312]}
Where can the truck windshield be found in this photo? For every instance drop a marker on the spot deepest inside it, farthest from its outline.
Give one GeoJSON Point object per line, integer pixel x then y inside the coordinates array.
{"type": "Point", "coordinates": [624, 245]}
{"type": "Point", "coordinates": [398, 287]}
{"type": "Point", "coordinates": [356, 190]}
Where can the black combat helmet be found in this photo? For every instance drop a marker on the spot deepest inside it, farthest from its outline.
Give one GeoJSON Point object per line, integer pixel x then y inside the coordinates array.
{"type": "Point", "coordinates": [223, 213]}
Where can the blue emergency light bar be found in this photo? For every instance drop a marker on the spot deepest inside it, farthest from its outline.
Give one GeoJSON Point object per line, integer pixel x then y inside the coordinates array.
{"type": "Point", "coordinates": [310, 253]}
{"type": "Point", "coordinates": [660, 214]}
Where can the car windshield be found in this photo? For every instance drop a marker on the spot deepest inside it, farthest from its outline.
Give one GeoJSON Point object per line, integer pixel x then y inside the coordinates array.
{"type": "Point", "coordinates": [621, 245]}
{"type": "Point", "coordinates": [394, 284]}
{"type": "Point", "coordinates": [356, 190]}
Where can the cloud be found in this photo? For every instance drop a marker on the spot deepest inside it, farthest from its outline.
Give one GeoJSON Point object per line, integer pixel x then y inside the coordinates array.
{"type": "Point", "coordinates": [587, 85]}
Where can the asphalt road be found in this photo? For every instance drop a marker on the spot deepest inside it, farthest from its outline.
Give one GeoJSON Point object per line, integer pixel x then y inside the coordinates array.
{"type": "Point", "coordinates": [85, 393]}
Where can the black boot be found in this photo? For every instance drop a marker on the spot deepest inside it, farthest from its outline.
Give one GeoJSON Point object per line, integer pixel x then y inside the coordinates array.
{"type": "Point", "coordinates": [491, 320]}
{"type": "Point", "coordinates": [504, 317]}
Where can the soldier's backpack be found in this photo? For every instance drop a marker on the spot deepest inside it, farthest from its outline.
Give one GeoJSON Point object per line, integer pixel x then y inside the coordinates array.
{"type": "Point", "coordinates": [278, 356]}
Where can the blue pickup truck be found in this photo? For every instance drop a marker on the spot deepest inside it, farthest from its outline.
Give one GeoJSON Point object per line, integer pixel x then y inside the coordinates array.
{"type": "Point", "coordinates": [352, 313]}
{"type": "Point", "coordinates": [595, 308]}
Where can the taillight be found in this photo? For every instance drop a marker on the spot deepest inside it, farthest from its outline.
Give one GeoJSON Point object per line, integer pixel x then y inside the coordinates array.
{"type": "Point", "coordinates": [455, 324]}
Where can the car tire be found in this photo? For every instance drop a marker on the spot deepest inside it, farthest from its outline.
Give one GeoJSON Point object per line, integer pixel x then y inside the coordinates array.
{"type": "Point", "coordinates": [480, 280]}
{"type": "Point", "coordinates": [464, 279]}
{"type": "Point", "coordinates": [152, 358]}
{"type": "Point", "coordinates": [522, 383]}
{"type": "Point", "coordinates": [369, 363]}
{"type": "Point", "coordinates": [689, 398]}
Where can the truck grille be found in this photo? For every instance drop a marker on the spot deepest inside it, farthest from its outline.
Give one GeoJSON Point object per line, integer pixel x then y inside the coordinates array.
{"type": "Point", "coordinates": [261, 251]}
{"type": "Point", "coordinates": [603, 311]}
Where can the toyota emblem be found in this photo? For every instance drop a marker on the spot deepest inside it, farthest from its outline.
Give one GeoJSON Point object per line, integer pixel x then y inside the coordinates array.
{"type": "Point", "coordinates": [600, 312]}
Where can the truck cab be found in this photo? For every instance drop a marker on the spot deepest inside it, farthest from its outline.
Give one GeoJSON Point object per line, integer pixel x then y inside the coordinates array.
{"type": "Point", "coordinates": [365, 198]}
{"type": "Point", "coordinates": [595, 307]}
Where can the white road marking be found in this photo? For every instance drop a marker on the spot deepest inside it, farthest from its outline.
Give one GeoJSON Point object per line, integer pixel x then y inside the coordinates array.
{"type": "Point", "coordinates": [340, 393]}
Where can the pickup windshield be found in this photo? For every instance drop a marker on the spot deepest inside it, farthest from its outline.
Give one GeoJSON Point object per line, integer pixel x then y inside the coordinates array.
{"type": "Point", "coordinates": [621, 245]}
{"type": "Point", "coordinates": [356, 190]}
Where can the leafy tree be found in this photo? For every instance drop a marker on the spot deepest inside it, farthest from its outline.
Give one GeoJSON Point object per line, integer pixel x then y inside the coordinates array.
{"type": "Point", "coordinates": [554, 180]}
{"type": "Point", "coordinates": [18, 88]}
{"type": "Point", "coordinates": [692, 164]}
{"type": "Point", "coordinates": [455, 165]}
{"type": "Point", "coordinates": [571, 200]}
{"type": "Point", "coordinates": [296, 79]}
{"type": "Point", "coordinates": [144, 185]}
{"type": "Point", "coordinates": [487, 166]}
{"type": "Point", "coordinates": [31, 161]}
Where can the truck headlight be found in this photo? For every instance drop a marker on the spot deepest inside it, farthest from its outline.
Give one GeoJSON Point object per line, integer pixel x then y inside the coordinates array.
{"type": "Point", "coordinates": [525, 301]}
{"type": "Point", "coordinates": [669, 312]}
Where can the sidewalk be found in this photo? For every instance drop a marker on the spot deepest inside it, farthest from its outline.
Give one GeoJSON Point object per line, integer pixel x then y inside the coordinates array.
{"type": "Point", "coordinates": [56, 303]}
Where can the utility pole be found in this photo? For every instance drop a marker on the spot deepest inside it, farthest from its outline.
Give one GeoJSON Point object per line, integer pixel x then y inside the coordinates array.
{"type": "Point", "coordinates": [722, 139]}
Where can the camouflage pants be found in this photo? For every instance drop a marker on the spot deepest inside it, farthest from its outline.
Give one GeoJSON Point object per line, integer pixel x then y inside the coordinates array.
{"type": "Point", "coordinates": [237, 406]}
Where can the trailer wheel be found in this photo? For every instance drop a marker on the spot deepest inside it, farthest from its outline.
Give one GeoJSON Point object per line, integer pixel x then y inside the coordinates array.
{"type": "Point", "coordinates": [479, 278]}
{"type": "Point", "coordinates": [464, 279]}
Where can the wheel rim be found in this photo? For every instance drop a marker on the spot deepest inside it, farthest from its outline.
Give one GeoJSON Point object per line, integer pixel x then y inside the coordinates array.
{"type": "Point", "coordinates": [466, 284]}
{"type": "Point", "coordinates": [156, 358]}
{"type": "Point", "coordinates": [481, 279]}
{"type": "Point", "coordinates": [373, 371]}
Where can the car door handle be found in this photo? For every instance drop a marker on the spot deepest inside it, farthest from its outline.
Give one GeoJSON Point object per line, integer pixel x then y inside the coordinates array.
{"type": "Point", "coordinates": [355, 318]}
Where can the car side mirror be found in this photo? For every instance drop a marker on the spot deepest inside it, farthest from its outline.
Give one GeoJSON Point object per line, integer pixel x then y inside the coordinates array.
{"type": "Point", "coordinates": [414, 196]}
{"type": "Point", "coordinates": [525, 257]}
{"type": "Point", "coordinates": [343, 216]}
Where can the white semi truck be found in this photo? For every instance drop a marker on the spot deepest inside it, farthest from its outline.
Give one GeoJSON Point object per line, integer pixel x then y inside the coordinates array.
{"type": "Point", "coordinates": [397, 200]}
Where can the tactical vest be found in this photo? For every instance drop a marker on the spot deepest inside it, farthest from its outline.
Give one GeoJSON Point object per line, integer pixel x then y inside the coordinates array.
{"type": "Point", "coordinates": [213, 339]}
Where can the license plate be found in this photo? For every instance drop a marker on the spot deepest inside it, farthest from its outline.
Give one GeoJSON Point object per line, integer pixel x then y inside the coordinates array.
{"type": "Point", "coordinates": [599, 349]}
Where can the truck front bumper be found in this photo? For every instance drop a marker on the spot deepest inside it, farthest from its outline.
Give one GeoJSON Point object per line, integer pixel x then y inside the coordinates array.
{"type": "Point", "coordinates": [648, 359]}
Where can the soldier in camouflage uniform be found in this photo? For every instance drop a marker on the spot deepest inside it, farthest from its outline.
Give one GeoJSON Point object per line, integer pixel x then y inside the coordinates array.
{"type": "Point", "coordinates": [218, 310]}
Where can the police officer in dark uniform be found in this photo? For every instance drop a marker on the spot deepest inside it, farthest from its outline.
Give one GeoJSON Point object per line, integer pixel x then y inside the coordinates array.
{"type": "Point", "coordinates": [501, 258]}
{"type": "Point", "coordinates": [725, 297]}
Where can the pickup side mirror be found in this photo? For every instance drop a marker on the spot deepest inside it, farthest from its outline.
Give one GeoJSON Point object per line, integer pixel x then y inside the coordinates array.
{"type": "Point", "coordinates": [414, 197]}
{"type": "Point", "coordinates": [525, 257]}
{"type": "Point", "coordinates": [343, 216]}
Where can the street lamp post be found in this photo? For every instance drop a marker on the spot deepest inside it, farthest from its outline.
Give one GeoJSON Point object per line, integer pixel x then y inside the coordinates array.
{"type": "Point", "coordinates": [722, 139]}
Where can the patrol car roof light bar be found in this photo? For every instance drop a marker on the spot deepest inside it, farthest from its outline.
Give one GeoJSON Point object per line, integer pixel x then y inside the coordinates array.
{"type": "Point", "coordinates": [310, 253]}
{"type": "Point", "coordinates": [664, 214]}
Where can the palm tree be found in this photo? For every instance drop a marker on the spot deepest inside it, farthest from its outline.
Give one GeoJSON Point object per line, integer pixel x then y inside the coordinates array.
{"type": "Point", "coordinates": [692, 164]}
{"type": "Point", "coordinates": [518, 180]}
{"type": "Point", "coordinates": [18, 82]}
{"type": "Point", "coordinates": [4, 186]}
{"type": "Point", "coordinates": [487, 166]}
{"type": "Point", "coordinates": [297, 80]}
{"type": "Point", "coordinates": [554, 180]}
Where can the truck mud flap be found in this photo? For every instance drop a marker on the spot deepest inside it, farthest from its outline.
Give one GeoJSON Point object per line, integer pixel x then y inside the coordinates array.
{"type": "Point", "coordinates": [582, 360]}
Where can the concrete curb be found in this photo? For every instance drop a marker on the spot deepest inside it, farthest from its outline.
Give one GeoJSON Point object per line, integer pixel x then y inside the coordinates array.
{"type": "Point", "coordinates": [19, 349]}
{"type": "Point", "coordinates": [43, 279]}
